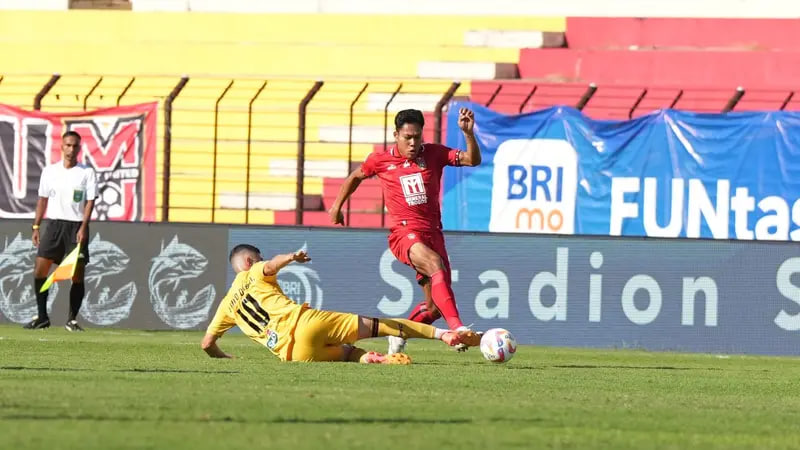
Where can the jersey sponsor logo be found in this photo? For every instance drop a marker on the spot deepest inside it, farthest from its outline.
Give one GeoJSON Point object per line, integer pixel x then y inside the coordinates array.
{"type": "Point", "coordinates": [171, 273]}
{"type": "Point", "coordinates": [414, 189]}
{"type": "Point", "coordinates": [535, 187]}
{"type": "Point", "coordinates": [301, 283]}
{"type": "Point", "coordinates": [17, 299]}
{"type": "Point", "coordinates": [102, 304]}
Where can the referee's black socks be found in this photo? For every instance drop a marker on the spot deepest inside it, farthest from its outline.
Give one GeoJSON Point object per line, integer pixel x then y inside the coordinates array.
{"type": "Point", "coordinates": [75, 299]}
{"type": "Point", "coordinates": [41, 297]}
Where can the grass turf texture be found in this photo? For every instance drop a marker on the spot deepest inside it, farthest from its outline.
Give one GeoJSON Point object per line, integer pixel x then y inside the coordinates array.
{"type": "Point", "coordinates": [129, 389]}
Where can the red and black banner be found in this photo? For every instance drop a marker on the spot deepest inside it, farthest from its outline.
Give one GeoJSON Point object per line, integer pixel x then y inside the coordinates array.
{"type": "Point", "coordinates": [119, 143]}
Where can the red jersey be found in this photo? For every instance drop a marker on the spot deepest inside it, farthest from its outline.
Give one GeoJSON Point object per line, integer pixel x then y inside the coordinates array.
{"type": "Point", "coordinates": [411, 188]}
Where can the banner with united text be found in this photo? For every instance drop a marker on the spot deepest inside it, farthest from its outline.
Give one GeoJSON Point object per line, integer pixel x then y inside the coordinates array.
{"type": "Point", "coordinates": [119, 143]}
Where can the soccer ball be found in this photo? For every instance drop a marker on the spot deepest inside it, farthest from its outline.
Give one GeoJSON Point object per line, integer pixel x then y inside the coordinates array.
{"type": "Point", "coordinates": [498, 345]}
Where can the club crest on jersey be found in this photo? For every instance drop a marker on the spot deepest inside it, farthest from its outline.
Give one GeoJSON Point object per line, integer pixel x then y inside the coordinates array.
{"type": "Point", "coordinates": [272, 339]}
{"type": "Point", "coordinates": [414, 189]}
{"type": "Point", "coordinates": [421, 162]}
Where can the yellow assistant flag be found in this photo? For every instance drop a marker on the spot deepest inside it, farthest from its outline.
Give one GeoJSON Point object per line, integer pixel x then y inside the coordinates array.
{"type": "Point", "coordinates": [65, 270]}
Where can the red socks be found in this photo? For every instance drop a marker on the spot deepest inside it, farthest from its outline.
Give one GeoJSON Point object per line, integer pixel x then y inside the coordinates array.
{"type": "Point", "coordinates": [421, 314]}
{"type": "Point", "coordinates": [444, 299]}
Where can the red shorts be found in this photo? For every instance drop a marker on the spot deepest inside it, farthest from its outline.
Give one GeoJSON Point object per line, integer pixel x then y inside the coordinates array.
{"type": "Point", "coordinates": [402, 238]}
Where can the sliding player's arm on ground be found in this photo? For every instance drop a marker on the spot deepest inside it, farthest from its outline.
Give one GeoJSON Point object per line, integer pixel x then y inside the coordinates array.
{"type": "Point", "coordinates": [221, 323]}
{"type": "Point", "coordinates": [271, 267]}
{"type": "Point", "coordinates": [466, 121]}
{"type": "Point", "coordinates": [349, 186]}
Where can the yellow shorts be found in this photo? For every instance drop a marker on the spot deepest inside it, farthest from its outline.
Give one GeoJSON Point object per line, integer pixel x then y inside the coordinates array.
{"type": "Point", "coordinates": [321, 335]}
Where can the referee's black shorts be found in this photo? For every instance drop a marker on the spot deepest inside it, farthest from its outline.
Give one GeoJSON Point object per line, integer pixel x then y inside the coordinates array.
{"type": "Point", "coordinates": [59, 238]}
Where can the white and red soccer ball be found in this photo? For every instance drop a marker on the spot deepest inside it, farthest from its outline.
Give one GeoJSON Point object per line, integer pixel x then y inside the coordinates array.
{"type": "Point", "coordinates": [498, 345]}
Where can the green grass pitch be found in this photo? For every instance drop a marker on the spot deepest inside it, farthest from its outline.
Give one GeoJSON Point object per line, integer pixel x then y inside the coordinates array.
{"type": "Point", "coordinates": [109, 389]}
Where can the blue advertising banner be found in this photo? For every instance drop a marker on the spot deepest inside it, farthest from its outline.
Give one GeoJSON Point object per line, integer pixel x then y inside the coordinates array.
{"type": "Point", "coordinates": [657, 294]}
{"type": "Point", "coordinates": [667, 174]}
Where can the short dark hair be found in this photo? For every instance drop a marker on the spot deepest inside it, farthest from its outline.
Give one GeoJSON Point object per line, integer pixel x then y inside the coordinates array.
{"type": "Point", "coordinates": [73, 134]}
{"type": "Point", "coordinates": [409, 116]}
{"type": "Point", "coordinates": [243, 248]}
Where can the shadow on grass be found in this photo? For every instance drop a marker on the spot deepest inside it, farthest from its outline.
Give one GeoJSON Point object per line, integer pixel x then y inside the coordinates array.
{"type": "Point", "coordinates": [278, 420]}
{"type": "Point", "coordinates": [134, 370]}
{"type": "Point", "coordinates": [583, 366]}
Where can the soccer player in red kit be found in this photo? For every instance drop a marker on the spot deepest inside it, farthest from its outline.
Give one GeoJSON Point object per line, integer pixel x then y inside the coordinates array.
{"type": "Point", "coordinates": [410, 173]}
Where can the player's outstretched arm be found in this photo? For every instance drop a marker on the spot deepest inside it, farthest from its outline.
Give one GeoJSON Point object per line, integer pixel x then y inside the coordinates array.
{"type": "Point", "coordinates": [348, 187]}
{"type": "Point", "coordinates": [279, 262]}
{"type": "Point", "coordinates": [211, 348]}
{"type": "Point", "coordinates": [466, 121]}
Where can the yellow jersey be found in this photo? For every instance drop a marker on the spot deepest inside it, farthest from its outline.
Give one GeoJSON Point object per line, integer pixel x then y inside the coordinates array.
{"type": "Point", "coordinates": [257, 305]}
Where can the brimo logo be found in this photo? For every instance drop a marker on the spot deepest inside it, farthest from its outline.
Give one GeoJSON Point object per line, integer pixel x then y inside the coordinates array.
{"type": "Point", "coordinates": [534, 186]}
{"type": "Point", "coordinates": [518, 177]}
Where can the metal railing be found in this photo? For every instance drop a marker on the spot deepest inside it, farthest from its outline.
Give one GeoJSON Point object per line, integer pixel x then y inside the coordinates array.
{"type": "Point", "coordinates": [247, 150]}
{"type": "Point", "coordinates": [226, 143]}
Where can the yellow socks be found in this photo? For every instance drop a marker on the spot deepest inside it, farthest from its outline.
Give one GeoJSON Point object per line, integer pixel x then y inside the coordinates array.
{"type": "Point", "coordinates": [404, 328]}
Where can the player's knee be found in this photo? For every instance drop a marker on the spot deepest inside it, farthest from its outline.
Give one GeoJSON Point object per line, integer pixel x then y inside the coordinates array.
{"type": "Point", "coordinates": [430, 263]}
{"type": "Point", "coordinates": [366, 326]}
{"type": "Point", "coordinates": [434, 262]}
{"type": "Point", "coordinates": [40, 271]}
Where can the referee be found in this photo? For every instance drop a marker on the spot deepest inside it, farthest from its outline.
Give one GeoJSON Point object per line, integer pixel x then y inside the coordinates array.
{"type": "Point", "coordinates": [67, 191]}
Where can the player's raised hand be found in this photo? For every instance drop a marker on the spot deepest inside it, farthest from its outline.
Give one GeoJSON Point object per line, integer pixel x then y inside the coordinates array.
{"type": "Point", "coordinates": [337, 218]}
{"type": "Point", "coordinates": [301, 256]}
{"type": "Point", "coordinates": [466, 120]}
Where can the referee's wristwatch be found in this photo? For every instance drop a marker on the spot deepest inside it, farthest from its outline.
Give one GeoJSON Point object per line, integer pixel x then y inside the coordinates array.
{"type": "Point", "coordinates": [34, 227]}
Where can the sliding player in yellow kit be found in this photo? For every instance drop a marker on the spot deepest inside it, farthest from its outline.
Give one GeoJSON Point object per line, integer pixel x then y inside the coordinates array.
{"type": "Point", "coordinates": [257, 305]}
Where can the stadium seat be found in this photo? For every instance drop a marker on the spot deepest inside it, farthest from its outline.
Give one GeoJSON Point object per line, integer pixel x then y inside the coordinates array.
{"type": "Point", "coordinates": [613, 102]}
{"type": "Point", "coordinates": [763, 100]}
{"type": "Point", "coordinates": [663, 67]}
{"type": "Point", "coordinates": [21, 90]}
{"type": "Point", "coordinates": [555, 94]}
{"type": "Point", "coordinates": [503, 96]}
{"type": "Point", "coordinates": [681, 33]}
{"type": "Point", "coordinates": [705, 99]}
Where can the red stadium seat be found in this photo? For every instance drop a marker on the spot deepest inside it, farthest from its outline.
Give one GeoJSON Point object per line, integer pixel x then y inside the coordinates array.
{"type": "Point", "coordinates": [555, 94]}
{"type": "Point", "coordinates": [613, 102]}
{"type": "Point", "coordinates": [624, 32]}
{"type": "Point", "coordinates": [762, 100]}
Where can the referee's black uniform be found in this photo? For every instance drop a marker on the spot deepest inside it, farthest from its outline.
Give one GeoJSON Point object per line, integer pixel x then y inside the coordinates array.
{"type": "Point", "coordinates": [67, 191]}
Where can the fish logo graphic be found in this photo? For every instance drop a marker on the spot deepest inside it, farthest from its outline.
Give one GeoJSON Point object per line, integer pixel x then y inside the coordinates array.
{"type": "Point", "coordinates": [171, 271]}
{"type": "Point", "coordinates": [17, 299]}
{"type": "Point", "coordinates": [100, 307]}
{"type": "Point", "coordinates": [301, 283]}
